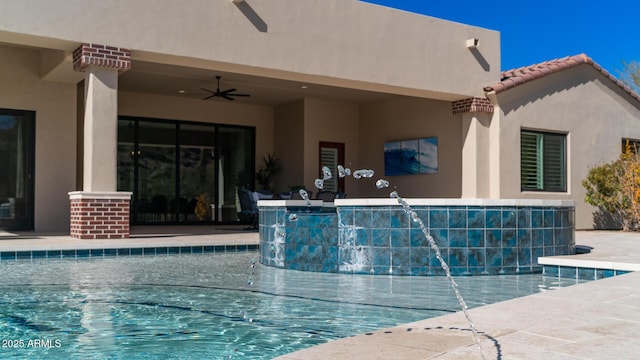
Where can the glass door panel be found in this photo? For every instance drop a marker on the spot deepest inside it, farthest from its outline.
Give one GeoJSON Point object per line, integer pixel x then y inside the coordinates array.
{"type": "Point", "coordinates": [197, 174]}
{"type": "Point", "coordinates": [184, 172]}
{"type": "Point", "coordinates": [156, 165]}
{"type": "Point", "coordinates": [16, 169]}
{"type": "Point", "coordinates": [127, 153]}
{"type": "Point", "coordinates": [236, 168]}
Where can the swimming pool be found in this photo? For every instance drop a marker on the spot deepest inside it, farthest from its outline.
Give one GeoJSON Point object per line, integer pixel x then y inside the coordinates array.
{"type": "Point", "coordinates": [213, 306]}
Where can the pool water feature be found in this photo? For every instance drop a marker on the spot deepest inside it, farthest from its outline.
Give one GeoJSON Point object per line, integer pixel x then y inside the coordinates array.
{"type": "Point", "coordinates": [353, 248]}
{"type": "Point", "coordinates": [199, 306]}
{"type": "Point", "coordinates": [376, 236]}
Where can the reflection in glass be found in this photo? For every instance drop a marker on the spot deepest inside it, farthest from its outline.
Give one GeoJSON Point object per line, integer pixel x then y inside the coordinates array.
{"type": "Point", "coordinates": [236, 169]}
{"type": "Point", "coordinates": [197, 172]}
{"type": "Point", "coordinates": [156, 171]}
{"type": "Point", "coordinates": [184, 173]}
{"type": "Point", "coordinates": [16, 182]}
{"type": "Point", "coordinates": [126, 156]}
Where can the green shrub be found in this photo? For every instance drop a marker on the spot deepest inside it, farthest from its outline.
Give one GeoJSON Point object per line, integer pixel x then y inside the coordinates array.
{"type": "Point", "coordinates": [615, 188]}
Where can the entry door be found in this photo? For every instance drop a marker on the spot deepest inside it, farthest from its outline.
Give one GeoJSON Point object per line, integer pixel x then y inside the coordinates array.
{"type": "Point", "coordinates": [17, 147]}
{"type": "Point", "coordinates": [332, 155]}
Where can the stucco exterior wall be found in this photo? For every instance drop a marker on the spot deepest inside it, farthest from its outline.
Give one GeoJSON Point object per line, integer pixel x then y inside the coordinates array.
{"type": "Point", "coordinates": [404, 118]}
{"type": "Point", "coordinates": [299, 129]}
{"type": "Point", "coordinates": [476, 159]}
{"type": "Point", "coordinates": [289, 144]}
{"type": "Point", "coordinates": [593, 112]}
{"type": "Point", "coordinates": [55, 157]}
{"type": "Point", "coordinates": [333, 122]}
{"type": "Point", "coordinates": [380, 49]}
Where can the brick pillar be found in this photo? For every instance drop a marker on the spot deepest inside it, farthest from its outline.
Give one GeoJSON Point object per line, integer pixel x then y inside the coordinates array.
{"type": "Point", "coordinates": [96, 215]}
{"type": "Point", "coordinates": [100, 211]}
{"type": "Point", "coordinates": [101, 66]}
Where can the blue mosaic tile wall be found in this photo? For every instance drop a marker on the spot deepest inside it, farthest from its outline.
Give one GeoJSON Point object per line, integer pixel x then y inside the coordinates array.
{"type": "Point", "coordinates": [473, 240]}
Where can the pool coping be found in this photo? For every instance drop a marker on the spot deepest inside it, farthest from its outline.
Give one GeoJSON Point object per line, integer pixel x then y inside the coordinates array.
{"type": "Point", "coordinates": [122, 251]}
{"type": "Point", "coordinates": [169, 241]}
{"type": "Point", "coordinates": [418, 202]}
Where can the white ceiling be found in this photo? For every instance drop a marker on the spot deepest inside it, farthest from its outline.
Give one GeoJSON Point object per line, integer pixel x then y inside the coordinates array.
{"type": "Point", "coordinates": [169, 80]}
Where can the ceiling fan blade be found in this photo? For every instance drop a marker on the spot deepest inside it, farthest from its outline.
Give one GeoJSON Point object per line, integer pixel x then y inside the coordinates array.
{"type": "Point", "coordinates": [228, 91]}
{"type": "Point", "coordinates": [227, 94]}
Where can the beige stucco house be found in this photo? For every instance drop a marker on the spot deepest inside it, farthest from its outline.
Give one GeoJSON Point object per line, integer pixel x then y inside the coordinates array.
{"type": "Point", "coordinates": [104, 122]}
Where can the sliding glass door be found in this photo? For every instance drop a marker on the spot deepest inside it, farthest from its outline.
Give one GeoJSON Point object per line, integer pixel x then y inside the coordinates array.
{"type": "Point", "coordinates": [236, 163]}
{"type": "Point", "coordinates": [183, 172]}
{"type": "Point", "coordinates": [197, 172]}
{"type": "Point", "coordinates": [17, 147]}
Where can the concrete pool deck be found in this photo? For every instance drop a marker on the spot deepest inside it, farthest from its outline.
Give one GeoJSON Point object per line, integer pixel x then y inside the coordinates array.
{"type": "Point", "coordinates": [595, 320]}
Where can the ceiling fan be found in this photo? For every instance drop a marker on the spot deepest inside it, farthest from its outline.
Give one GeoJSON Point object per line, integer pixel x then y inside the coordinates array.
{"type": "Point", "coordinates": [227, 94]}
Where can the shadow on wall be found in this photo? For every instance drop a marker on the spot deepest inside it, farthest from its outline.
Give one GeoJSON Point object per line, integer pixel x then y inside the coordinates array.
{"type": "Point", "coordinates": [251, 15]}
{"type": "Point", "coordinates": [604, 220]}
{"type": "Point", "coordinates": [530, 93]}
{"type": "Point", "coordinates": [480, 59]}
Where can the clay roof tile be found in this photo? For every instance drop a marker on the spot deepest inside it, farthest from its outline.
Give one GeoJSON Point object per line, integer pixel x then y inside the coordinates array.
{"type": "Point", "coordinates": [518, 76]}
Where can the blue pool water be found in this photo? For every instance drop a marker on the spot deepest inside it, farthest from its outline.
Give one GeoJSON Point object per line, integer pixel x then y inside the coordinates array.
{"type": "Point", "coordinates": [214, 306]}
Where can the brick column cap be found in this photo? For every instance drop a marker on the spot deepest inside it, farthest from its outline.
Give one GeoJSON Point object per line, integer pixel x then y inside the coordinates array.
{"type": "Point", "coordinates": [472, 105]}
{"type": "Point", "coordinates": [125, 195]}
{"type": "Point", "coordinates": [111, 57]}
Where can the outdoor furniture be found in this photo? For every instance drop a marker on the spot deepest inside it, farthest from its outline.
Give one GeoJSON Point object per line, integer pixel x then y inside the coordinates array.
{"type": "Point", "coordinates": [248, 208]}
{"type": "Point", "coordinates": [296, 195]}
{"type": "Point", "coordinates": [327, 196]}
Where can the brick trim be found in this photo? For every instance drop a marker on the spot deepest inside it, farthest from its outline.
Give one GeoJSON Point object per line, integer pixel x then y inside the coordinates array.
{"type": "Point", "coordinates": [111, 57]}
{"type": "Point", "coordinates": [101, 216]}
{"type": "Point", "coordinates": [472, 104]}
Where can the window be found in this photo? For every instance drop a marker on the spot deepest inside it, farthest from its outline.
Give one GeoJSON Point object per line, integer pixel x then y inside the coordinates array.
{"type": "Point", "coordinates": [634, 145]}
{"type": "Point", "coordinates": [542, 161]}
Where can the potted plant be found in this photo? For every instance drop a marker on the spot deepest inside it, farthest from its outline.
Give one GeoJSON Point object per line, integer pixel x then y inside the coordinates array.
{"type": "Point", "coordinates": [267, 173]}
{"type": "Point", "coordinates": [203, 208]}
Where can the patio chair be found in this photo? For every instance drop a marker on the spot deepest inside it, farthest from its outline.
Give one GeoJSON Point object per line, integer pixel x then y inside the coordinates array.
{"type": "Point", "coordinates": [248, 209]}
{"type": "Point", "coordinates": [295, 195]}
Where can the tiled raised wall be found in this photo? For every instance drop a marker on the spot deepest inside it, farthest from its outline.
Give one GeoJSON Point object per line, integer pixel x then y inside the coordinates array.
{"type": "Point", "coordinates": [472, 240]}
